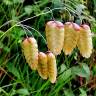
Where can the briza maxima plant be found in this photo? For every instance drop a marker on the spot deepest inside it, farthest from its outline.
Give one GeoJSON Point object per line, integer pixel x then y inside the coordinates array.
{"type": "Point", "coordinates": [70, 37]}
{"type": "Point", "coordinates": [85, 41]}
{"type": "Point", "coordinates": [52, 68]}
{"type": "Point", "coordinates": [30, 50]}
{"type": "Point", "coordinates": [42, 65]}
{"type": "Point", "coordinates": [55, 36]}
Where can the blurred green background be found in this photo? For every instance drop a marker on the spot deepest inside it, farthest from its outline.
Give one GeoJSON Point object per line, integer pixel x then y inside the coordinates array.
{"type": "Point", "coordinates": [18, 18]}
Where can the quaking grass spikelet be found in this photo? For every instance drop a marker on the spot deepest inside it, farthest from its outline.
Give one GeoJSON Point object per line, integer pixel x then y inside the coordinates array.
{"type": "Point", "coordinates": [52, 68]}
{"type": "Point", "coordinates": [30, 50]}
{"type": "Point", "coordinates": [71, 37]}
{"type": "Point", "coordinates": [55, 36]}
{"type": "Point", "coordinates": [42, 65]}
{"type": "Point", "coordinates": [85, 41]}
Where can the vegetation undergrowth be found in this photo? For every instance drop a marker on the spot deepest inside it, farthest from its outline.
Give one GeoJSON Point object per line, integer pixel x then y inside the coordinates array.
{"type": "Point", "coordinates": [25, 18]}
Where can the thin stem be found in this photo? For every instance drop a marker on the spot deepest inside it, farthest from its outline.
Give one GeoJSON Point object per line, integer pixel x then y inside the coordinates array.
{"type": "Point", "coordinates": [7, 31]}
{"type": "Point", "coordinates": [8, 85]}
{"type": "Point", "coordinates": [68, 12]}
{"type": "Point", "coordinates": [7, 23]}
{"type": "Point", "coordinates": [36, 31]}
{"type": "Point", "coordinates": [26, 29]}
{"type": "Point", "coordinates": [40, 14]}
{"type": "Point", "coordinates": [43, 13]}
{"type": "Point", "coordinates": [51, 11]}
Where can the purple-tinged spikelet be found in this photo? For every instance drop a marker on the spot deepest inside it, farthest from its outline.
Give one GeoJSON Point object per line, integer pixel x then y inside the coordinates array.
{"type": "Point", "coordinates": [71, 37]}
{"type": "Point", "coordinates": [85, 41]}
{"type": "Point", "coordinates": [55, 36]}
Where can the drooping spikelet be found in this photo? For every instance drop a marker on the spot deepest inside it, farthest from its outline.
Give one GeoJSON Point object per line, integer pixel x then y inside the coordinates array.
{"type": "Point", "coordinates": [30, 50]}
{"type": "Point", "coordinates": [52, 68]}
{"type": "Point", "coordinates": [42, 65]}
{"type": "Point", "coordinates": [55, 36]}
{"type": "Point", "coordinates": [85, 41]}
{"type": "Point", "coordinates": [71, 37]}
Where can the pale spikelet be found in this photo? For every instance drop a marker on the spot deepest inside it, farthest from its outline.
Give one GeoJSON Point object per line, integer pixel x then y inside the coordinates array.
{"type": "Point", "coordinates": [30, 50]}
{"type": "Point", "coordinates": [55, 36]}
{"type": "Point", "coordinates": [71, 37]}
{"type": "Point", "coordinates": [42, 65]}
{"type": "Point", "coordinates": [52, 68]}
{"type": "Point", "coordinates": [85, 41]}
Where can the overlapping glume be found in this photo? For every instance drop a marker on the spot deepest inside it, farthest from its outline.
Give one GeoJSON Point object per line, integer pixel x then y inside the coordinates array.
{"type": "Point", "coordinates": [52, 68]}
{"type": "Point", "coordinates": [85, 41]}
{"type": "Point", "coordinates": [30, 50]}
{"type": "Point", "coordinates": [55, 36]}
{"type": "Point", "coordinates": [71, 37]}
{"type": "Point", "coordinates": [42, 65]}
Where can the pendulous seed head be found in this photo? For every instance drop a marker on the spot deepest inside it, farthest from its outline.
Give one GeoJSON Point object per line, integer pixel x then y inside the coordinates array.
{"type": "Point", "coordinates": [42, 65]}
{"type": "Point", "coordinates": [30, 50]}
{"type": "Point", "coordinates": [55, 36]}
{"type": "Point", "coordinates": [52, 68]}
{"type": "Point", "coordinates": [85, 41]}
{"type": "Point", "coordinates": [71, 37]}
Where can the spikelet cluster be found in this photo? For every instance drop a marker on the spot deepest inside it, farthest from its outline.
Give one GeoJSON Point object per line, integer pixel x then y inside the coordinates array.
{"type": "Point", "coordinates": [55, 36]}
{"type": "Point", "coordinates": [68, 38]}
{"type": "Point", "coordinates": [59, 37]}
{"type": "Point", "coordinates": [30, 50]}
{"type": "Point", "coordinates": [71, 37]}
{"type": "Point", "coordinates": [47, 66]}
{"type": "Point", "coordinates": [42, 65]}
{"type": "Point", "coordinates": [85, 41]}
{"type": "Point", "coordinates": [52, 68]}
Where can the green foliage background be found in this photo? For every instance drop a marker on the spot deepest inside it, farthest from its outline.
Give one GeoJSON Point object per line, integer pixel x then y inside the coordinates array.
{"type": "Point", "coordinates": [18, 19]}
